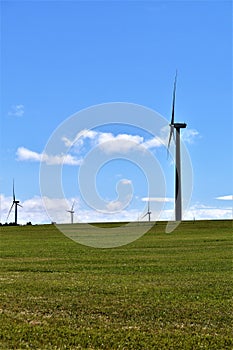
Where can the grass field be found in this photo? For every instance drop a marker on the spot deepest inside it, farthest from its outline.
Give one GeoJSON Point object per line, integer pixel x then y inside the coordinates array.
{"type": "Point", "coordinates": [163, 291]}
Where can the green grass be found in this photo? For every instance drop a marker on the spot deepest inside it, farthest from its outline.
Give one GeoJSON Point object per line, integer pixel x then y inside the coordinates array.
{"type": "Point", "coordinates": [163, 291]}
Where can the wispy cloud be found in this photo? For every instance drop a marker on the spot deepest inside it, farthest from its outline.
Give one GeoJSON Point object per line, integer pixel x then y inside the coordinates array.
{"type": "Point", "coordinates": [204, 212]}
{"type": "Point", "coordinates": [16, 110]}
{"type": "Point", "coordinates": [157, 199]}
{"type": "Point", "coordinates": [226, 198]}
{"type": "Point", "coordinates": [114, 206]}
{"type": "Point", "coordinates": [24, 154]}
{"type": "Point", "coordinates": [80, 137]}
{"type": "Point", "coordinates": [189, 135]}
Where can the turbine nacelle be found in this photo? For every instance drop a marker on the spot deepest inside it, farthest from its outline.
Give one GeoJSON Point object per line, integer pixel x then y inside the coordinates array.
{"type": "Point", "coordinates": [179, 125]}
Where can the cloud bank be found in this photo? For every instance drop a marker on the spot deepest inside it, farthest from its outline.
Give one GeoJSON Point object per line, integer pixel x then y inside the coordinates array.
{"type": "Point", "coordinates": [107, 142]}
{"type": "Point", "coordinates": [34, 210]}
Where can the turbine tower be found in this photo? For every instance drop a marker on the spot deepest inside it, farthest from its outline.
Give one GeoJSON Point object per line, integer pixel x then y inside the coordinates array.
{"type": "Point", "coordinates": [71, 211]}
{"type": "Point", "coordinates": [148, 212]}
{"type": "Point", "coordinates": [178, 183]}
{"type": "Point", "coordinates": [16, 204]}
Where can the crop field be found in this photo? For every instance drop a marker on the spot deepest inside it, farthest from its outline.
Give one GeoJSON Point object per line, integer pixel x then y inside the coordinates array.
{"type": "Point", "coordinates": [163, 291]}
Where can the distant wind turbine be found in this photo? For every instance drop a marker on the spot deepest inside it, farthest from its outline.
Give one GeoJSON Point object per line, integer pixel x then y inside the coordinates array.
{"type": "Point", "coordinates": [178, 183]}
{"type": "Point", "coordinates": [16, 204]}
{"type": "Point", "coordinates": [148, 212]}
{"type": "Point", "coordinates": [71, 211]}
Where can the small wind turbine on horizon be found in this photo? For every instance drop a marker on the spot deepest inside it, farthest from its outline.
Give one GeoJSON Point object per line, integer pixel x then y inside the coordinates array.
{"type": "Point", "coordinates": [178, 183]}
{"type": "Point", "coordinates": [71, 211]}
{"type": "Point", "coordinates": [16, 204]}
{"type": "Point", "coordinates": [148, 212]}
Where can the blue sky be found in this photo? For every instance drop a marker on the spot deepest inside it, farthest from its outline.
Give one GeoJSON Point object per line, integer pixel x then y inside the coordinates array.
{"type": "Point", "coordinates": [59, 57]}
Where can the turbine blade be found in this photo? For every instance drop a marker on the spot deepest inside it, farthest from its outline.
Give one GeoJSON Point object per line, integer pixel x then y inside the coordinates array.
{"type": "Point", "coordinates": [173, 102]}
{"type": "Point", "coordinates": [19, 205]}
{"type": "Point", "coordinates": [173, 115]}
{"type": "Point", "coordinates": [170, 137]}
{"type": "Point", "coordinates": [144, 215]}
{"type": "Point", "coordinates": [72, 206]}
{"type": "Point", "coordinates": [13, 191]}
{"type": "Point", "coordinates": [10, 211]}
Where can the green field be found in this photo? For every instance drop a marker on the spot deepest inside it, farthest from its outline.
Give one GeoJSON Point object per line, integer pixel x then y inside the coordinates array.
{"type": "Point", "coordinates": [163, 291]}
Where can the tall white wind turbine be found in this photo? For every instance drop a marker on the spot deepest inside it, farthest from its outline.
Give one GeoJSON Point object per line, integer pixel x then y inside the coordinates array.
{"type": "Point", "coordinates": [71, 211]}
{"type": "Point", "coordinates": [178, 172]}
{"type": "Point", "coordinates": [148, 212]}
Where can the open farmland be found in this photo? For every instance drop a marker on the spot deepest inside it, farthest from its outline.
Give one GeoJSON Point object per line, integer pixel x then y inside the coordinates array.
{"type": "Point", "coordinates": [163, 291]}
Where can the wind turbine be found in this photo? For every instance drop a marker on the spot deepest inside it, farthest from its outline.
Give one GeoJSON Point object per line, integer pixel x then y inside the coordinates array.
{"type": "Point", "coordinates": [16, 204]}
{"type": "Point", "coordinates": [178, 183]}
{"type": "Point", "coordinates": [71, 211]}
{"type": "Point", "coordinates": [148, 212]}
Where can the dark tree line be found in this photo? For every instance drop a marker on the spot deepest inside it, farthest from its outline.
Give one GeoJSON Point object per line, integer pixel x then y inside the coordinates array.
{"type": "Point", "coordinates": [13, 224]}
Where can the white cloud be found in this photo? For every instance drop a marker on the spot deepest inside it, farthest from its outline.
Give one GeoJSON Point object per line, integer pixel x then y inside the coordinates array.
{"type": "Point", "coordinates": [24, 154]}
{"type": "Point", "coordinates": [80, 137]}
{"type": "Point", "coordinates": [204, 212]}
{"type": "Point", "coordinates": [153, 143]}
{"type": "Point", "coordinates": [122, 143]}
{"type": "Point", "coordinates": [125, 143]}
{"type": "Point", "coordinates": [197, 211]}
{"type": "Point", "coordinates": [126, 182]}
{"type": "Point", "coordinates": [110, 143]}
{"type": "Point", "coordinates": [226, 198]}
{"type": "Point", "coordinates": [114, 206]}
{"type": "Point", "coordinates": [67, 142]}
{"type": "Point", "coordinates": [157, 199]}
{"type": "Point", "coordinates": [87, 134]}
{"type": "Point", "coordinates": [34, 210]}
{"type": "Point", "coordinates": [16, 111]}
{"type": "Point", "coordinates": [189, 135]}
